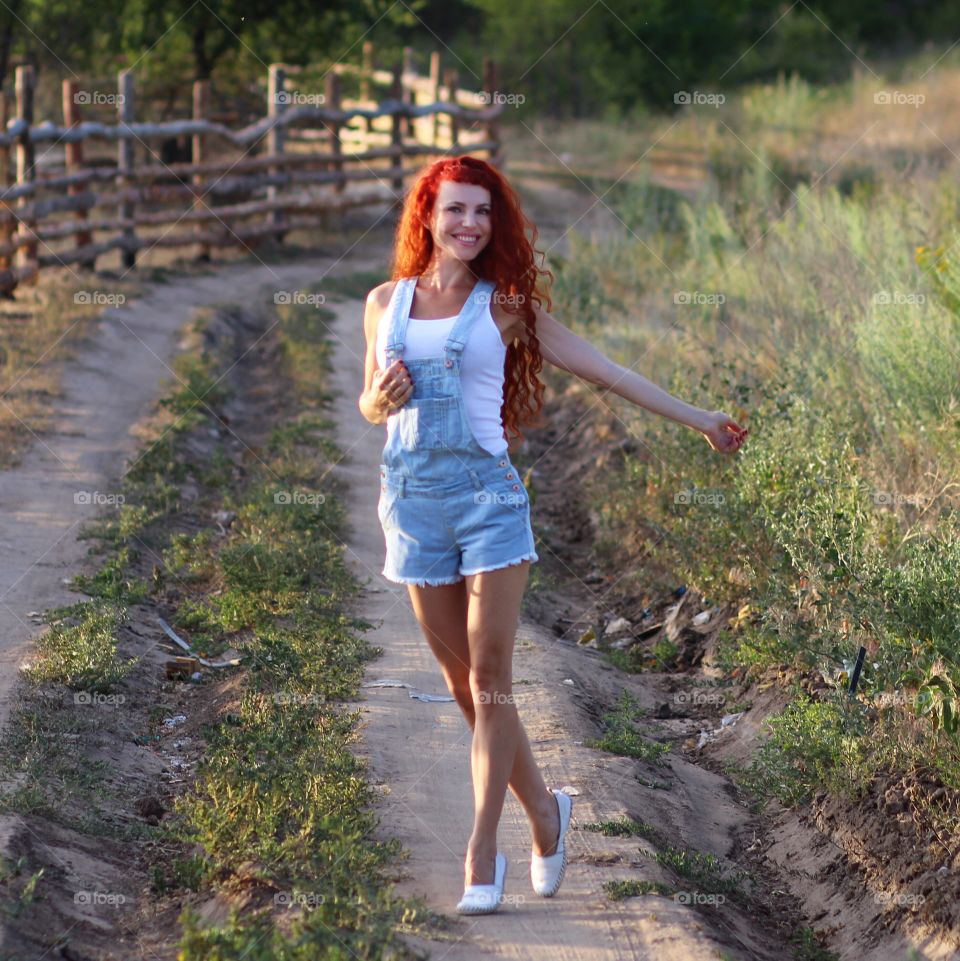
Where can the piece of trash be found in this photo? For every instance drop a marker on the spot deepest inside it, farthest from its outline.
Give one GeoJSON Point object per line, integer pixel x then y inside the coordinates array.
{"type": "Point", "coordinates": [180, 667]}
{"type": "Point", "coordinates": [617, 626]}
{"type": "Point", "coordinates": [225, 518]}
{"type": "Point", "coordinates": [430, 697]}
{"type": "Point", "coordinates": [587, 636]}
{"type": "Point", "coordinates": [569, 680]}
{"type": "Point", "coordinates": [671, 616]}
{"type": "Point", "coordinates": [175, 720]}
{"type": "Point", "coordinates": [172, 634]}
{"type": "Point", "coordinates": [386, 682]}
{"type": "Point", "coordinates": [570, 789]}
{"type": "Point", "coordinates": [196, 676]}
{"type": "Point", "coordinates": [702, 617]}
{"type": "Point", "coordinates": [728, 720]}
{"type": "Point", "coordinates": [680, 591]}
{"type": "Point", "coordinates": [36, 615]}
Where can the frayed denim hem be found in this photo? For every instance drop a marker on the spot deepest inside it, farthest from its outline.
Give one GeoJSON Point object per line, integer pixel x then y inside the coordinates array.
{"type": "Point", "coordinates": [424, 582]}
{"type": "Point", "coordinates": [532, 556]}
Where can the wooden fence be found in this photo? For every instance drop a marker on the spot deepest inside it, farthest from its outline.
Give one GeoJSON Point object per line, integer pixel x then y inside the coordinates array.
{"type": "Point", "coordinates": [306, 157]}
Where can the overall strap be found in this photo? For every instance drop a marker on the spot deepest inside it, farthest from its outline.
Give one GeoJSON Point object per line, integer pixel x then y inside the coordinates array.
{"type": "Point", "coordinates": [473, 309]}
{"type": "Point", "coordinates": [399, 314]}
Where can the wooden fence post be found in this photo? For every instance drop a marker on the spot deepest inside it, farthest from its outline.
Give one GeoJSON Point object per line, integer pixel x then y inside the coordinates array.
{"type": "Point", "coordinates": [435, 94]}
{"type": "Point", "coordinates": [26, 256]}
{"type": "Point", "coordinates": [451, 82]}
{"type": "Point", "coordinates": [275, 139]}
{"type": "Point", "coordinates": [366, 85]}
{"type": "Point", "coordinates": [73, 163]}
{"type": "Point", "coordinates": [331, 100]}
{"type": "Point", "coordinates": [366, 77]}
{"type": "Point", "coordinates": [396, 137]}
{"type": "Point", "coordinates": [7, 226]}
{"type": "Point", "coordinates": [201, 104]}
{"type": "Point", "coordinates": [127, 208]}
{"type": "Point", "coordinates": [407, 88]}
{"type": "Point", "coordinates": [492, 126]}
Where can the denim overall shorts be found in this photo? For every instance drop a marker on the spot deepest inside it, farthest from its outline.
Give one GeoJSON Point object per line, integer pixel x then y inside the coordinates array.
{"type": "Point", "coordinates": [448, 507]}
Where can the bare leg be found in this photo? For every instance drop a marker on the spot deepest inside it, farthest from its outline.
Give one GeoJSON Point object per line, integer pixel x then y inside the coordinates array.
{"type": "Point", "coordinates": [442, 614]}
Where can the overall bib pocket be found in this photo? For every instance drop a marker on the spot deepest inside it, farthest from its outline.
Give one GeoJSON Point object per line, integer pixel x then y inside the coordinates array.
{"type": "Point", "coordinates": [427, 424]}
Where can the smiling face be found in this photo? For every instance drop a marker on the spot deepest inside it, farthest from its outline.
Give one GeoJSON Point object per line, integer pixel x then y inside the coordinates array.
{"type": "Point", "coordinates": [461, 219]}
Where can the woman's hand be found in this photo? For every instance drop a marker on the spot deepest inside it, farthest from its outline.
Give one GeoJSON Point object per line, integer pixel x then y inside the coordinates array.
{"type": "Point", "coordinates": [724, 434]}
{"type": "Point", "coordinates": [391, 388]}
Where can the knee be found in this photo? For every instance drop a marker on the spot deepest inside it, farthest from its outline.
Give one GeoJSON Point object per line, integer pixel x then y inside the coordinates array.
{"type": "Point", "coordinates": [490, 683]}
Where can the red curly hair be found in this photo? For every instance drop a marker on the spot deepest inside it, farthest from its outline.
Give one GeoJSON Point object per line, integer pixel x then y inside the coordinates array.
{"type": "Point", "coordinates": [507, 260]}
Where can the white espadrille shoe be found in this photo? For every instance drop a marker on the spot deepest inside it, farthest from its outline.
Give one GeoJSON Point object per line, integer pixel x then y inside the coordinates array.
{"type": "Point", "coordinates": [546, 873]}
{"type": "Point", "coordinates": [485, 898]}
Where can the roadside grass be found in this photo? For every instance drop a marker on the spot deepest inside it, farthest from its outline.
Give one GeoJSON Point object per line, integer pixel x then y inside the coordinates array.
{"type": "Point", "coordinates": [82, 655]}
{"type": "Point", "coordinates": [824, 313]}
{"type": "Point", "coordinates": [632, 888]}
{"type": "Point", "coordinates": [619, 736]}
{"type": "Point", "coordinates": [625, 827]}
{"type": "Point", "coordinates": [278, 818]}
{"type": "Point", "coordinates": [704, 870]}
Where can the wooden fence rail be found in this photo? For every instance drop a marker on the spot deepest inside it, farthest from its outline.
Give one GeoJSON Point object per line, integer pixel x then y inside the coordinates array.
{"type": "Point", "coordinates": [289, 170]}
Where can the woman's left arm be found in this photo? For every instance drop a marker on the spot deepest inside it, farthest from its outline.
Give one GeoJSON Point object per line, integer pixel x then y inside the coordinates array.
{"type": "Point", "coordinates": [563, 348]}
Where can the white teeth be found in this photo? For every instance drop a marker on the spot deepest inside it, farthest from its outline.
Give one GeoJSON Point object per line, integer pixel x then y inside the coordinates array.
{"type": "Point", "coordinates": [466, 240]}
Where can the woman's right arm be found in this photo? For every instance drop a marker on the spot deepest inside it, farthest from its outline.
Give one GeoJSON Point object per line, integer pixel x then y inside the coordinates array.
{"type": "Point", "coordinates": [383, 390]}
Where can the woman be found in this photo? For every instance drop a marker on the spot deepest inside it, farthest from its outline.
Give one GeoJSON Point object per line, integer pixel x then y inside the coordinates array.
{"type": "Point", "coordinates": [465, 310]}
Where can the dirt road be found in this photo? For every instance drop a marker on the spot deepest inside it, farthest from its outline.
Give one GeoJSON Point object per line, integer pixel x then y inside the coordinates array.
{"type": "Point", "coordinates": [66, 473]}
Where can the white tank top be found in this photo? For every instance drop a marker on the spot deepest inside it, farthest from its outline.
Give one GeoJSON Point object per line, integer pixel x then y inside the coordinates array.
{"type": "Point", "coordinates": [481, 370]}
